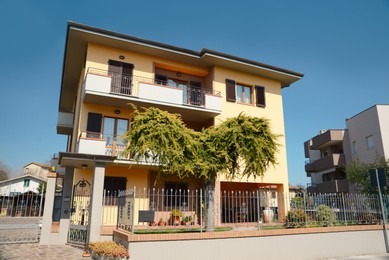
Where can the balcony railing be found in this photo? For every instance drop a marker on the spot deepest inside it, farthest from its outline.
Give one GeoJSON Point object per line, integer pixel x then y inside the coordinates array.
{"type": "Point", "coordinates": [99, 144]}
{"type": "Point", "coordinates": [151, 89]}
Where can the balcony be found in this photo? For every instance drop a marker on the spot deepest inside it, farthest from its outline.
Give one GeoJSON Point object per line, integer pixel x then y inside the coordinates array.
{"type": "Point", "coordinates": [95, 143]}
{"type": "Point", "coordinates": [328, 162]}
{"type": "Point", "coordinates": [103, 87]}
{"type": "Point", "coordinates": [327, 138]}
{"type": "Point", "coordinates": [65, 123]}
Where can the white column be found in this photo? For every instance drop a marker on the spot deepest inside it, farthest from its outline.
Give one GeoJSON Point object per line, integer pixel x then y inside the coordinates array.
{"type": "Point", "coordinates": [67, 189]}
{"type": "Point", "coordinates": [96, 202]}
{"type": "Point", "coordinates": [47, 219]}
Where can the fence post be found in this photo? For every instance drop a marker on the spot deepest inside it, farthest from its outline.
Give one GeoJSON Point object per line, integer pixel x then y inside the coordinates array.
{"type": "Point", "coordinates": [133, 212]}
{"type": "Point", "coordinates": [201, 211]}
{"type": "Point", "coordinates": [41, 201]}
{"type": "Point", "coordinates": [258, 211]}
{"type": "Point", "coordinates": [344, 209]}
{"type": "Point", "coordinates": [305, 209]}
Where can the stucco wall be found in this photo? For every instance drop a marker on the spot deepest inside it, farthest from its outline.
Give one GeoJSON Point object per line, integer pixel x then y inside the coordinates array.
{"type": "Point", "coordinates": [291, 247]}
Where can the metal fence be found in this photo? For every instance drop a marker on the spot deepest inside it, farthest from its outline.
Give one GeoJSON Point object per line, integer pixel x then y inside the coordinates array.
{"type": "Point", "coordinates": [20, 217]}
{"type": "Point", "coordinates": [28, 204]}
{"type": "Point", "coordinates": [133, 209]}
{"type": "Point", "coordinates": [308, 210]}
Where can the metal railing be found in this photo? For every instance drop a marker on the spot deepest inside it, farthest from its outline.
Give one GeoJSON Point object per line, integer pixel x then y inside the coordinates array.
{"type": "Point", "coordinates": [123, 84]}
{"type": "Point", "coordinates": [158, 207]}
{"type": "Point", "coordinates": [16, 204]}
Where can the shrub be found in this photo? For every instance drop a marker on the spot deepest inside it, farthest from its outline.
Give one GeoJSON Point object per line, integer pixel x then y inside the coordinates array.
{"type": "Point", "coordinates": [325, 216]}
{"type": "Point", "coordinates": [296, 218]}
{"type": "Point", "coordinates": [108, 248]}
{"type": "Point", "coordinates": [176, 213]}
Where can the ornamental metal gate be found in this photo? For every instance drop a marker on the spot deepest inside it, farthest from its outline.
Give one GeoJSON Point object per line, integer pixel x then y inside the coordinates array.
{"type": "Point", "coordinates": [79, 220]}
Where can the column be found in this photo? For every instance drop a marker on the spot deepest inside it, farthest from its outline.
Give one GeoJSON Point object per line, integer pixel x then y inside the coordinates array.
{"type": "Point", "coordinates": [67, 190]}
{"type": "Point", "coordinates": [283, 202]}
{"type": "Point", "coordinates": [96, 202]}
{"type": "Point", "coordinates": [48, 209]}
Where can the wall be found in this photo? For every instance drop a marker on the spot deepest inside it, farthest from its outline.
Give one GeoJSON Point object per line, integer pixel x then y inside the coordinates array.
{"type": "Point", "coordinates": [383, 117]}
{"type": "Point", "coordinates": [273, 111]}
{"type": "Point", "coordinates": [359, 127]}
{"type": "Point", "coordinates": [18, 186]}
{"type": "Point", "coordinates": [291, 247]}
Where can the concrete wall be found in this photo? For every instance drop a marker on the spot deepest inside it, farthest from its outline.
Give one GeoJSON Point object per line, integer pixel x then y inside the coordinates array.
{"type": "Point", "coordinates": [299, 247]}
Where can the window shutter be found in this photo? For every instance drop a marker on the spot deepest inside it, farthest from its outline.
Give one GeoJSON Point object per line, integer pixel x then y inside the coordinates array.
{"type": "Point", "coordinates": [260, 96]}
{"type": "Point", "coordinates": [230, 90]}
{"type": "Point", "coordinates": [94, 123]}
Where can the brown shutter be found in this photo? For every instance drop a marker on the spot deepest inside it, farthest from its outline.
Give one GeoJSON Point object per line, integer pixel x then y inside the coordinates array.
{"type": "Point", "coordinates": [230, 90]}
{"type": "Point", "coordinates": [93, 127]}
{"type": "Point", "coordinates": [260, 96]}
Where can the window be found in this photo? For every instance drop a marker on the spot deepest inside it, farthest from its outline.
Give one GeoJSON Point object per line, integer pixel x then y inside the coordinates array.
{"type": "Point", "coordinates": [176, 194]}
{"type": "Point", "coordinates": [121, 74]}
{"type": "Point", "coordinates": [260, 96]}
{"type": "Point", "coordinates": [26, 183]}
{"type": "Point", "coordinates": [244, 93]}
{"type": "Point", "coordinates": [354, 147]}
{"type": "Point", "coordinates": [93, 128]}
{"type": "Point", "coordinates": [370, 142]}
{"type": "Point", "coordinates": [112, 186]}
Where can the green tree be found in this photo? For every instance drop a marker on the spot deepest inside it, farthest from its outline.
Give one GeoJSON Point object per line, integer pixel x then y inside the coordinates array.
{"type": "Point", "coordinates": [4, 171]}
{"type": "Point", "coordinates": [358, 173]}
{"type": "Point", "coordinates": [241, 146]}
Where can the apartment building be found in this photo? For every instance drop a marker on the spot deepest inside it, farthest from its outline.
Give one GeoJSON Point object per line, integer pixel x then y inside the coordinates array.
{"type": "Point", "coordinates": [366, 136]}
{"type": "Point", "coordinates": [104, 71]}
{"type": "Point", "coordinates": [326, 162]}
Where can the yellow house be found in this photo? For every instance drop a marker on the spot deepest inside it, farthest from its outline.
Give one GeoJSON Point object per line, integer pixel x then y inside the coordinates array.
{"type": "Point", "coordinates": [104, 71]}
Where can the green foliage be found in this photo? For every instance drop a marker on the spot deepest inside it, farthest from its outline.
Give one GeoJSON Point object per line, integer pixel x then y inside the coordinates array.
{"type": "Point", "coordinates": [325, 216]}
{"type": "Point", "coordinates": [42, 187]}
{"type": "Point", "coordinates": [296, 218]}
{"type": "Point", "coordinates": [240, 146]}
{"type": "Point", "coordinates": [109, 249]}
{"type": "Point", "coordinates": [358, 173]}
{"type": "Point", "coordinates": [162, 138]}
{"type": "Point", "coordinates": [4, 171]}
{"type": "Point", "coordinates": [176, 213]}
{"type": "Point", "coordinates": [297, 202]}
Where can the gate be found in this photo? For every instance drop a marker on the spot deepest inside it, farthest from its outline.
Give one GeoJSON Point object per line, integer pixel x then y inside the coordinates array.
{"type": "Point", "coordinates": [20, 217]}
{"type": "Point", "coordinates": [79, 220]}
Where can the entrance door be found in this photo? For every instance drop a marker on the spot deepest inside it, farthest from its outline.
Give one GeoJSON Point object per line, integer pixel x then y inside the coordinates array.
{"type": "Point", "coordinates": [121, 74]}
{"type": "Point", "coordinates": [113, 130]}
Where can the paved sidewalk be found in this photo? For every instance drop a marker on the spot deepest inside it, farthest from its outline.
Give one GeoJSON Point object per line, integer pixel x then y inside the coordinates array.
{"type": "Point", "coordinates": [36, 251]}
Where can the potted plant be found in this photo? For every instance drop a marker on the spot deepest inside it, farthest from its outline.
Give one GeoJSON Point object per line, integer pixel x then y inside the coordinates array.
{"type": "Point", "coordinates": [161, 222]}
{"type": "Point", "coordinates": [176, 215]}
{"type": "Point", "coordinates": [187, 220]}
{"type": "Point", "coordinates": [268, 213]}
{"type": "Point", "coordinates": [108, 250]}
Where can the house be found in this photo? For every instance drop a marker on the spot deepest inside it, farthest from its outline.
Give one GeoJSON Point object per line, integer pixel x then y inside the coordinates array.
{"type": "Point", "coordinates": [21, 184]}
{"type": "Point", "coordinates": [36, 169]}
{"type": "Point", "coordinates": [365, 137]}
{"type": "Point", "coordinates": [104, 71]}
{"type": "Point", "coordinates": [368, 134]}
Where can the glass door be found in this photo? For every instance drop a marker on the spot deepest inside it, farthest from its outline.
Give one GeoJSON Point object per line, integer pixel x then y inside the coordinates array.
{"type": "Point", "coordinates": [112, 133]}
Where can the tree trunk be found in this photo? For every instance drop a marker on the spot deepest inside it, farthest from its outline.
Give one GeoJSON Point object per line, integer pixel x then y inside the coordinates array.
{"type": "Point", "coordinates": [209, 204]}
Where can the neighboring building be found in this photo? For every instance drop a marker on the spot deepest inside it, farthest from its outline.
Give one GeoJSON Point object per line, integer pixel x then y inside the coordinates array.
{"type": "Point", "coordinates": [368, 134]}
{"type": "Point", "coordinates": [36, 169]}
{"type": "Point", "coordinates": [365, 138]}
{"type": "Point", "coordinates": [326, 162]}
{"type": "Point", "coordinates": [20, 185]}
{"type": "Point", "coordinates": [104, 71]}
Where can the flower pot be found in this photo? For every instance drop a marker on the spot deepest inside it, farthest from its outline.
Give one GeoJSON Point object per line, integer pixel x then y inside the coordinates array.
{"type": "Point", "coordinates": [268, 215]}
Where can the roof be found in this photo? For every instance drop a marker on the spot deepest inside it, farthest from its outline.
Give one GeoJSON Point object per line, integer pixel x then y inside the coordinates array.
{"type": "Point", "coordinates": [367, 109]}
{"type": "Point", "coordinates": [23, 177]}
{"type": "Point", "coordinates": [38, 164]}
{"type": "Point", "coordinates": [79, 35]}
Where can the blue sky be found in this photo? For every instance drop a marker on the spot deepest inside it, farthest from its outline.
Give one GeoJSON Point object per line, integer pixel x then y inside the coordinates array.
{"type": "Point", "coordinates": [342, 47]}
